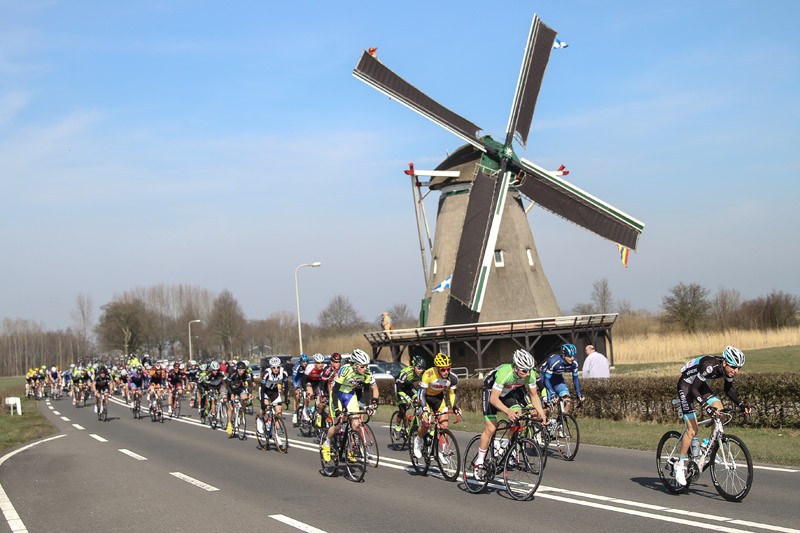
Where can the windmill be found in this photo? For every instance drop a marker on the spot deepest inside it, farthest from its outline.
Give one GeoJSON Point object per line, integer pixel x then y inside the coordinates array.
{"type": "Point", "coordinates": [483, 237]}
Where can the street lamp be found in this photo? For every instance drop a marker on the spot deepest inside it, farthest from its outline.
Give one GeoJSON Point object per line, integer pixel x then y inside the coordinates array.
{"type": "Point", "coordinates": [297, 299]}
{"type": "Point", "coordinates": [190, 336]}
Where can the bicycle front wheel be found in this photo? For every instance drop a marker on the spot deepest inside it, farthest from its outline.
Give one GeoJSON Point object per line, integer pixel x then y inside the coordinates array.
{"type": "Point", "coordinates": [241, 424]}
{"type": "Point", "coordinates": [420, 464]}
{"type": "Point", "coordinates": [280, 436]}
{"type": "Point", "coordinates": [667, 454]}
{"type": "Point", "coordinates": [475, 478]}
{"type": "Point", "coordinates": [540, 436]}
{"type": "Point", "coordinates": [371, 445]}
{"type": "Point", "coordinates": [523, 469]}
{"type": "Point", "coordinates": [397, 433]}
{"type": "Point", "coordinates": [448, 456]}
{"type": "Point", "coordinates": [568, 437]}
{"type": "Point", "coordinates": [355, 457]}
{"type": "Point", "coordinates": [732, 469]}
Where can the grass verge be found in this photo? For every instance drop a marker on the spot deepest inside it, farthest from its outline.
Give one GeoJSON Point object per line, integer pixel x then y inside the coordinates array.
{"type": "Point", "coordinates": [16, 430]}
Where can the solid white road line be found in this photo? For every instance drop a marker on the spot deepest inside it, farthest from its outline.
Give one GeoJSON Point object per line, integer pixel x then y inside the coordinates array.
{"type": "Point", "coordinates": [295, 523]}
{"type": "Point", "coordinates": [15, 523]}
{"type": "Point", "coordinates": [98, 438]}
{"type": "Point", "coordinates": [193, 481]}
{"type": "Point", "coordinates": [78, 426]}
{"type": "Point", "coordinates": [134, 455]}
{"type": "Point", "coordinates": [775, 469]}
{"type": "Point", "coordinates": [65, 419]}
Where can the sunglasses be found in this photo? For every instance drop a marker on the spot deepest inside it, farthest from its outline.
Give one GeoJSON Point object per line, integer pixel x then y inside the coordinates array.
{"type": "Point", "coordinates": [524, 372]}
{"type": "Point", "coordinates": [361, 367]}
{"type": "Point", "coordinates": [444, 369]}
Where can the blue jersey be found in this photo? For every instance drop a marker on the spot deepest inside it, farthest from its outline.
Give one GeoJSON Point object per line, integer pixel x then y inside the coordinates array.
{"type": "Point", "coordinates": [553, 371]}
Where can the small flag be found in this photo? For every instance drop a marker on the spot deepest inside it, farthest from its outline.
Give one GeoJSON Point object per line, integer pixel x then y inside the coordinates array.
{"type": "Point", "coordinates": [372, 52]}
{"type": "Point", "coordinates": [443, 285]}
{"type": "Point", "coordinates": [560, 44]}
{"type": "Point", "coordinates": [623, 254]}
{"type": "Point", "coordinates": [562, 171]}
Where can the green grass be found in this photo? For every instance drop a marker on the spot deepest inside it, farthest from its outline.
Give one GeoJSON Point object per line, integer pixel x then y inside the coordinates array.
{"type": "Point", "coordinates": [16, 430]}
{"type": "Point", "coordinates": [766, 360]}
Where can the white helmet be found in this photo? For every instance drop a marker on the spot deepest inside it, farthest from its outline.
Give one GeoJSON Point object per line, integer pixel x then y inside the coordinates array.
{"type": "Point", "coordinates": [192, 362]}
{"type": "Point", "coordinates": [275, 362]}
{"type": "Point", "coordinates": [523, 360]}
{"type": "Point", "coordinates": [53, 369]}
{"type": "Point", "coordinates": [318, 358]}
{"type": "Point", "coordinates": [733, 356]}
{"type": "Point", "coordinates": [359, 357]}
{"type": "Point", "coordinates": [214, 365]}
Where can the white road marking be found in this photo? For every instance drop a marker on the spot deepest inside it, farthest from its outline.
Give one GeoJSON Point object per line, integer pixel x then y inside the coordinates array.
{"type": "Point", "coordinates": [296, 523]}
{"type": "Point", "coordinates": [776, 469]}
{"type": "Point", "coordinates": [14, 522]}
{"type": "Point", "coordinates": [764, 526]}
{"type": "Point", "coordinates": [51, 407]}
{"type": "Point", "coordinates": [78, 426]}
{"type": "Point", "coordinates": [98, 438]}
{"type": "Point", "coordinates": [134, 455]}
{"type": "Point", "coordinates": [65, 419]}
{"type": "Point", "coordinates": [56, 412]}
{"type": "Point", "coordinates": [193, 481]}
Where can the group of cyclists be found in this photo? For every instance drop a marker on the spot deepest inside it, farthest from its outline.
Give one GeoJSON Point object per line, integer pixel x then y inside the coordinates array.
{"type": "Point", "coordinates": [340, 389]}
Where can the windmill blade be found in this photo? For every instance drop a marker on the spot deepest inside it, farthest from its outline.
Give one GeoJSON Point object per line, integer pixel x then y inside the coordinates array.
{"type": "Point", "coordinates": [478, 238]}
{"type": "Point", "coordinates": [534, 63]}
{"type": "Point", "coordinates": [376, 75]}
{"type": "Point", "coordinates": [578, 206]}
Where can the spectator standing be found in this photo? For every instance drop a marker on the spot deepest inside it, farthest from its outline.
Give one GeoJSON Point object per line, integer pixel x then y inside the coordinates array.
{"type": "Point", "coordinates": [595, 365]}
{"type": "Point", "coordinates": [386, 321]}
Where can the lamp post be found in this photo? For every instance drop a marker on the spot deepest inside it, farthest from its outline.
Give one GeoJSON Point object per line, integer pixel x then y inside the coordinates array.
{"type": "Point", "coordinates": [190, 336]}
{"type": "Point", "coordinates": [297, 299]}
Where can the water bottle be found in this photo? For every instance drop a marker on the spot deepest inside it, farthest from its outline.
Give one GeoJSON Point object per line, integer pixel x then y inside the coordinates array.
{"type": "Point", "coordinates": [499, 447]}
{"type": "Point", "coordinates": [695, 447]}
{"type": "Point", "coordinates": [704, 445]}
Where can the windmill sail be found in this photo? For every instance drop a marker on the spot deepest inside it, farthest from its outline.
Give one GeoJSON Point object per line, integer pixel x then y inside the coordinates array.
{"type": "Point", "coordinates": [578, 206]}
{"type": "Point", "coordinates": [376, 75]}
{"type": "Point", "coordinates": [531, 74]}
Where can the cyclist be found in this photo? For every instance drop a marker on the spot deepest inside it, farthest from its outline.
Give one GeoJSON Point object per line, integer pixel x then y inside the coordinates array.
{"type": "Point", "coordinates": [239, 383]}
{"type": "Point", "coordinates": [407, 384]}
{"type": "Point", "coordinates": [66, 378]}
{"type": "Point", "coordinates": [176, 382]}
{"type": "Point", "coordinates": [192, 375]}
{"type": "Point", "coordinates": [101, 386]}
{"type": "Point", "coordinates": [54, 380]}
{"type": "Point", "coordinates": [328, 377]}
{"type": "Point", "coordinates": [505, 389]}
{"type": "Point", "coordinates": [210, 387]}
{"type": "Point", "coordinates": [298, 373]}
{"type": "Point", "coordinates": [273, 383]}
{"type": "Point", "coordinates": [693, 386]}
{"type": "Point", "coordinates": [80, 379]}
{"type": "Point", "coordinates": [313, 379]}
{"type": "Point", "coordinates": [552, 377]}
{"type": "Point", "coordinates": [158, 379]}
{"type": "Point", "coordinates": [135, 383]}
{"type": "Point", "coordinates": [353, 377]}
{"type": "Point", "coordinates": [437, 393]}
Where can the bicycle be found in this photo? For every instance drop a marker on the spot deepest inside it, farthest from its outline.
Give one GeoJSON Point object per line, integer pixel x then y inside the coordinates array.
{"type": "Point", "coordinates": [346, 447]}
{"type": "Point", "coordinates": [519, 458]}
{"type": "Point", "coordinates": [273, 427]}
{"type": "Point", "coordinates": [439, 443]}
{"type": "Point", "coordinates": [156, 408]}
{"type": "Point", "coordinates": [136, 407]}
{"type": "Point", "coordinates": [101, 406]}
{"type": "Point", "coordinates": [370, 442]}
{"type": "Point", "coordinates": [239, 421]}
{"type": "Point", "coordinates": [400, 426]}
{"type": "Point", "coordinates": [177, 394]}
{"type": "Point", "coordinates": [725, 455]}
{"type": "Point", "coordinates": [306, 413]}
{"type": "Point", "coordinates": [563, 431]}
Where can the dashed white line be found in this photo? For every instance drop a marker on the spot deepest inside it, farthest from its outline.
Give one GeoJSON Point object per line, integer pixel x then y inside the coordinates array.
{"type": "Point", "coordinates": [193, 481]}
{"type": "Point", "coordinates": [302, 526]}
{"type": "Point", "coordinates": [51, 407]}
{"type": "Point", "coordinates": [56, 412]}
{"type": "Point", "coordinates": [65, 419]}
{"type": "Point", "coordinates": [98, 438]}
{"type": "Point", "coordinates": [132, 454]}
{"type": "Point", "coordinates": [78, 426]}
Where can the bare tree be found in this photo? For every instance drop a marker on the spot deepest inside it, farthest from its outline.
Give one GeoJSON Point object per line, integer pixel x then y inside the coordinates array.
{"type": "Point", "coordinates": [402, 316]}
{"type": "Point", "coordinates": [227, 321]}
{"type": "Point", "coordinates": [724, 306]}
{"type": "Point", "coordinates": [125, 326]}
{"type": "Point", "coordinates": [686, 306]}
{"type": "Point", "coordinates": [339, 316]}
{"type": "Point", "coordinates": [82, 317]}
{"type": "Point", "coordinates": [601, 296]}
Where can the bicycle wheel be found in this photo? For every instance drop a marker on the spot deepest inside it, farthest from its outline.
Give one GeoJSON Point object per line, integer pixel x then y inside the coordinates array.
{"type": "Point", "coordinates": [666, 456]}
{"type": "Point", "coordinates": [261, 436]}
{"type": "Point", "coordinates": [176, 409]}
{"type": "Point", "coordinates": [371, 445]}
{"type": "Point", "coordinates": [153, 414]}
{"type": "Point", "coordinates": [329, 467]}
{"type": "Point", "coordinates": [567, 438]}
{"type": "Point", "coordinates": [448, 456]}
{"type": "Point", "coordinates": [105, 411]}
{"type": "Point", "coordinates": [523, 469]}
{"type": "Point", "coordinates": [420, 464]}
{"type": "Point", "coordinates": [280, 436]}
{"type": "Point", "coordinates": [355, 456]}
{"type": "Point", "coordinates": [538, 434]}
{"type": "Point", "coordinates": [732, 469]}
{"type": "Point", "coordinates": [241, 424]}
{"type": "Point", "coordinates": [397, 430]}
{"type": "Point", "coordinates": [475, 478]}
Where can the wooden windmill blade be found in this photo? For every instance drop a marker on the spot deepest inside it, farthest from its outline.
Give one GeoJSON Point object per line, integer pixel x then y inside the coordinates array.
{"type": "Point", "coordinates": [531, 74]}
{"type": "Point", "coordinates": [576, 205]}
{"type": "Point", "coordinates": [376, 75]}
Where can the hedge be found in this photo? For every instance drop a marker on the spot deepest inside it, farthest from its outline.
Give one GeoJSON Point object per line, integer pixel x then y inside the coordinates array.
{"type": "Point", "coordinates": [775, 398]}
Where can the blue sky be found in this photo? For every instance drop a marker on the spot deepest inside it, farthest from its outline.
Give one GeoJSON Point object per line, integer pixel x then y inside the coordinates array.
{"type": "Point", "coordinates": [222, 144]}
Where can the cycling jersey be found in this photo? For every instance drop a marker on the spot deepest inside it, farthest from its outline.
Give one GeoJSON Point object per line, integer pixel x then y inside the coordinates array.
{"type": "Point", "coordinates": [237, 384]}
{"type": "Point", "coordinates": [349, 379]}
{"type": "Point", "coordinates": [407, 381]}
{"type": "Point", "coordinates": [553, 371]}
{"type": "Point", "coordinates": [504, 379]}
{"type": "Point", "coordinates": [192, 374]}
{"type": "Point", "coordinates": [158, 376]}
{"type": "Point", "coordinates": [433, 384]}
{"type": "Point", "coordinates": [136, 380]}
{"type": "Point", "coordinates": [693, 383]}
{"type": "Point", "coordinates": [175, 377]}
{"type": "Point", "coordinates": [270, 380]}
{"type": "Point", "coordinates": [102, 383]}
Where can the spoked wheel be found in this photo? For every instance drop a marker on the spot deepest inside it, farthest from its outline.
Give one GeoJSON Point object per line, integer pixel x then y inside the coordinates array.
{"type": "Point", "coordinates": [732, 469]}
{"type": "Point", "coordinates": [567, 437]}
{"type": "Point", "coordinates": [280, 436]}
{"type": "Point", "coordinates": [540, 436]}
{"type": "Point", "coordinates": [176, 410]}
{"type": "Point", "coordinates": [475, 478]}
{"type": "Point", "coordinates": [523, 469]}
{"type": "Point", "coordinates": [420, 464]}
{"type": "Point", "coordinates": [105, 413]}
{"type": "Point", "coordinates": [241, 424]}
{"type": "Point", "coordinates": [305, 419]}
{"type": "Point", "coordinates": [153, 413]}
{"type": "Point", "coordinates": [371, 445]}
{"type": "Point", "coordinates": [329, 467]}
{"type": "Point", "coordinates": [667, 454]}
{"type": "Point", "coordinates": [448, 456]}
{"type": "Point", "coordinates": [355, 457]}
{"type": "Point", "coordinates": [397, 431]}
{"type": "Point", "coordinates": [261, 435]}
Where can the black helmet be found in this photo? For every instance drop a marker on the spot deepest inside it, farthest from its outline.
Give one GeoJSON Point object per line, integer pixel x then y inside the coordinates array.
{"type": "Point", "coordinates": [241, 365]}
{"type": "Point", "coordinates": [419, 362]}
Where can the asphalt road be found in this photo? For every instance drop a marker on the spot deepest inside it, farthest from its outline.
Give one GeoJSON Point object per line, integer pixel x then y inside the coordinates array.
{"type": "Point", "coordinates": [180, 476]}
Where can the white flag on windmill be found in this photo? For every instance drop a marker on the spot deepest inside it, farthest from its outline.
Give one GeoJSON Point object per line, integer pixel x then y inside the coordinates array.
{"type": "Point", "coordinates": [443, 285]}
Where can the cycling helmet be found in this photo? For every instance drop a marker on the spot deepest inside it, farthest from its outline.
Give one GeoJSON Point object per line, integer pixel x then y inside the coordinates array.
{"type": "Point", "coordinates": [569, 350]}
{"type": "Point", "coordinates": [336, 357]}
{"type": "Point", "coordinates": [72, 365]}
{"type": "Point", "coordinates": [303, 358]}
{"type": "Point", "coordinates": [53, 369]}
{"type": "Point", "coordinates": [102, 369]}
{"type": "Point", "coordinates": [441, 360]}
{"type": "Point", "coordinates": [241, 365]}
{"type": "Point", "coordinates": [192, 362]}
{"type": "Point", "coordinates": [176, 364]}
{"type": "Point", "coordinates": [359, 357]}
{"type": "Point", "coordinates": [183, 366]}
{"type": "Point", "coordinates": [203, 367]}
{"type": "Point", "coordinates": [419, 362]}
{"type": "Point", "coordinates": [274, 362]}
{"type": "Point", "coordinates": [733, 356]}
{"type": "Point", "coordinates": [214, 365]}
{"type": "Point", "coordinates": [523, 360]}
{"type": "Point", "coordinates": [319, 358]}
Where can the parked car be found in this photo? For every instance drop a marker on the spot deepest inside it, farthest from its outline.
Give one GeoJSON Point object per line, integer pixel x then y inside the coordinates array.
{"type": "Point", "coordinates": [379, 374]}
{"type": "Point", "coordinates": [390, 367]}
{"type": "Point", "coordinates": [255, 370]}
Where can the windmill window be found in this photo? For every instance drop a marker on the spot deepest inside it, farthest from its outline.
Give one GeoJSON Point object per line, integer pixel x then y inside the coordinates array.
{"type": "Point", "coordinates": [498, 258]}
{"type": "Point", "coordinates": [435, 264]}
{"type": "Point", "coordinates": [530, 256]}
